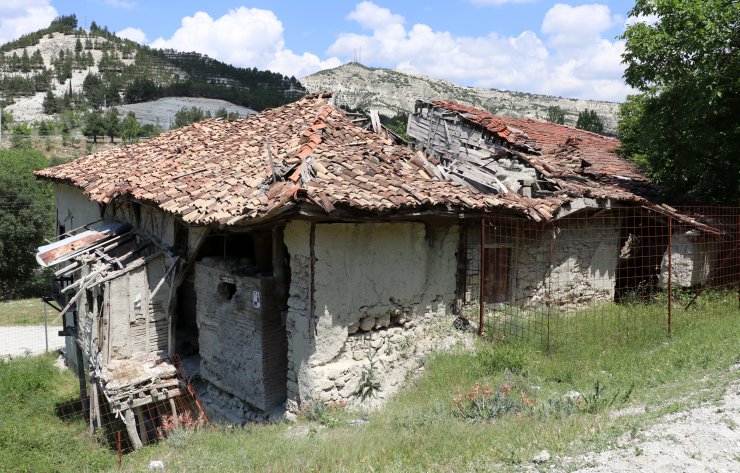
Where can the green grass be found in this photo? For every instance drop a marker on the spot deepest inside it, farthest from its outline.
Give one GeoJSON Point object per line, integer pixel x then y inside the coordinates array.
{"type": "Point", "coordinates": [32, 437]}
{"type": "Point", "coordinates": [419, 429]}
{"type": "Point", "coordinates": [23, 312]}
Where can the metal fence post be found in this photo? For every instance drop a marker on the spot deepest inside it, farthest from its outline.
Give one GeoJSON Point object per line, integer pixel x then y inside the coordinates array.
{"type": "Point", "coordinates": [670, 274]}
{"type": "Point", "coordinates": [46, 330]}
{"type": "Point", "coordinates": [481, 276]}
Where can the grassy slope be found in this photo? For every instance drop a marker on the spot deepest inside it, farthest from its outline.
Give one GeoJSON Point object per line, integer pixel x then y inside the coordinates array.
{"type": "Point", "coordinates": [417, 431]}
{"type": "Point", "coordinates": [32, 438]}
{"type": "Point", "coordinates": [23, 312]}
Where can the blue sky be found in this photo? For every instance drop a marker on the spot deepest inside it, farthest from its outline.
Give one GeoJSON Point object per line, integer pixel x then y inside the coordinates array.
{"type": "Point", "coordinates": [564, 48]}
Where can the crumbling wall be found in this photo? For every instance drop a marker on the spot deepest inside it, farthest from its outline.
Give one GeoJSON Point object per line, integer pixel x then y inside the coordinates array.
{"type": "Point", "coordinates": [571, 263]}
{"type": "Point", "coordinates": [372, 282]}
{"type": "Point", "coordinates": [241, 337]}
{"type": "Point", "coordinates": [574, 263]}
{"type": "Point", "coordinates": [693, 258]}
{"type": "Point", "coordinates": [153, 222]}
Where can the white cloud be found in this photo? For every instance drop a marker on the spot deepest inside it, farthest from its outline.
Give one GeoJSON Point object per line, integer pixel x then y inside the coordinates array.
{"type": "Point", "coordinates": [573, 26]}
{"type": "Point", "coordinates": [571, 58]}
{"type": "Point", "coordinates": [372, 16]}
{"type": "Point", "coordinates": [18, 17]}
{"type": "Point", "coordinates": [134, 34]}
{"type": "Point", "coordinates": [246, 37]}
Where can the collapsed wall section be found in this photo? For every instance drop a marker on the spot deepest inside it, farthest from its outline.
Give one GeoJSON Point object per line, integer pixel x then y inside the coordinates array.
{"type": "Point", "coordinates": [362, 289]}
{"type": "Point", "coordinates": [241, 335]}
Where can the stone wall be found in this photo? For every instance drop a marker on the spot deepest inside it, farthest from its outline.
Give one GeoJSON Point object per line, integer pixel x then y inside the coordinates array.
{"type": "Point", "coordinates": [373, 284]}
{"type": "Point", "coordinates": [693, 257]}
{"type": "Point", "coordinates": [573, 263]}
{"type": "Point", "coordinates": [241, 336]}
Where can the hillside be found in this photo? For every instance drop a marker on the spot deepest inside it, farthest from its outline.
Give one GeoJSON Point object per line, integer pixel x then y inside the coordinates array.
{"type": "Point", "coordinates": [390, 92]}
{"type": "Point", "coordinates": [94, 68]}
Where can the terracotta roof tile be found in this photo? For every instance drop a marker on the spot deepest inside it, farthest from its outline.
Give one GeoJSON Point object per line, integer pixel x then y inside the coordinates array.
{"type": "Point", "coordinates": [220, 171]}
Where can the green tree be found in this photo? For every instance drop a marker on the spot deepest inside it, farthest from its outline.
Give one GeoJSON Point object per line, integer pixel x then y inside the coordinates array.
{"type": "Point", "coordinates": [78, 46]}
{"type": "Point", "coordinates": [589, 120]}
{"type": "Point", "coordinates": [130, 127]}
{"type": "Point", "coordinates": [26, 218]}
{"type": "Point", "coordinates": [94, 125]}
{"type": "Point", "coordinates": [683, 125]}
{"type": "Point", "coordinates": [94, 90]}
{"type": "Point", "coordinates": [50, 103]}
{"type": "Point", "coordinates": [112, 123]}
{"type": "Point", "coordinates": [555, 114]}
{"type": "Point", "coordinates": [21, 137]}
{"type": "Point", "coordinates": [25, 61]}
{"type": "Point", "coordinates": [44, 128]}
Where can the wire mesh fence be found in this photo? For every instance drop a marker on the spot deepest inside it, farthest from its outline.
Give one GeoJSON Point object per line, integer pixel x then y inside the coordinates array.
{"type": "Point", "coordinates": [606, 273]}
{"type": "Point", "coordinates": [124, 431]}
{"type": "Point", "coordinates": [28, 328]}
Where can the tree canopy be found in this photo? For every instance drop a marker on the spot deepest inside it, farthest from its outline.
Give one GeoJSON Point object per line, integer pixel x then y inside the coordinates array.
{"type": "Point", "coordinates": [683, 126]}
{"type": "Point", "coordinates": [589, 120]}
{"type": "Point", "coordinates": [26, 218]}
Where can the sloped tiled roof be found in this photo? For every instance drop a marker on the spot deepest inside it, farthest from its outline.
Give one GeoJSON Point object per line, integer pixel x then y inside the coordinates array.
{"type": "Point", "coordinates": [220, 171]}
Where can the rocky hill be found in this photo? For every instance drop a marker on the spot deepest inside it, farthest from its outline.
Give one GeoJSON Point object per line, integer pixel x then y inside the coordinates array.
{"type": "Point", "coordinates": [390, 92]}
{"type": "Point", "coordinates": [94, 68]}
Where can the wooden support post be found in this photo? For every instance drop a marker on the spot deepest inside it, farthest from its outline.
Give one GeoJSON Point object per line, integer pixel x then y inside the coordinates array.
{"type": "Point", "coordinates": [128, 417]}
{"type": "Point", "coordinates": [81, 377]}
{"type": "Point", "coordinates": [142, 424]}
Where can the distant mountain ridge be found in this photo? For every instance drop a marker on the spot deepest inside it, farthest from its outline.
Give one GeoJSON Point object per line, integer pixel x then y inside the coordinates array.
{"type": "Point", "coordinates": [60, 57]}
{"type": "Point", "coordinates": [390, 92]}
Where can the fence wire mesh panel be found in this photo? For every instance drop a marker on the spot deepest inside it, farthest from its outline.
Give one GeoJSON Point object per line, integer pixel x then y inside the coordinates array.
{"type": "Point", "coordinates": [28, 328]}
{"type": "Point", "coordinates": [606, 273]}
{"type": "Point", "coordinates": [124, 429]}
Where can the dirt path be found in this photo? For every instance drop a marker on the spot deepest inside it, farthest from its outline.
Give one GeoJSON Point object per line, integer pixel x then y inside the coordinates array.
{"type": "Point", "coordinates": [17, 340]}
{"type": "Point", "coordinates": [703, 439]}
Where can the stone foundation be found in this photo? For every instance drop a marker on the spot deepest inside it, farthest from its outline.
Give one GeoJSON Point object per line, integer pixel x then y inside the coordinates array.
{"type": "Point", "coordinates": [363, 290]}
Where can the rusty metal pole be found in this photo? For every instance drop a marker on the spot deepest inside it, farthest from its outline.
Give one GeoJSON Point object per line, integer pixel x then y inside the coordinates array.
{"type": "Point", "coordinates": [119, 449]}
{"type": "Point", "coordinates": [481, 276]}
{"type": "Point", "coordinates": [670, 274]}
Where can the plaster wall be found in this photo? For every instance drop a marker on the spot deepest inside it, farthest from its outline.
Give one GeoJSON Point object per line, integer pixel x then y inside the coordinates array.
{"type": "Point", "coordinates": [73, 208]}
{"type": "Point", "coordinates": [153, 222]}
{"type": "Point", "coordinates": [242, 342]}
{"type": "Point", "coordinates": [370, 281]}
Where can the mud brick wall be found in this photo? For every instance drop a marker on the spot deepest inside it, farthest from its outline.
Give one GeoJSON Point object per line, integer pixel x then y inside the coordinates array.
{"type": "Point", "coordinates": [242, 348]}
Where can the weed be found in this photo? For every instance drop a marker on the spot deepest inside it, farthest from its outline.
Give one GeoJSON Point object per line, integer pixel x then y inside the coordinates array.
{"type": "Point", "coordinates": [369, 384]}
{"type": "Point", "coordinates": [329, 414]}
{"type": "Point", "coordinates": [482, 403]}
{"type": "Point", "coordinates": [600, 401]}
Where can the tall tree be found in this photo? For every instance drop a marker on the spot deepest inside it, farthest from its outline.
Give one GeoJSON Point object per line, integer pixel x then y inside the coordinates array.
{"type": "Point", "coordinates": [112, 123]}
{"type": "Point", "coordinates": [26, 218]}
{"type": "Point", "coordinates": [94, 125]}
{"type": "Point", "coordinates": [130, 127]}
{"type": "Point", "coordinates": [555, 114]}
{"type": "Point", "coordinates": [589, 120]}
{"type": "Point", "coordinates": [683, 125]}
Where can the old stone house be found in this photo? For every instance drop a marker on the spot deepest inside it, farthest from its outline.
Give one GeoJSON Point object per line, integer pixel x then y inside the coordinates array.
{"type": "Point", "coordinates": [276, 254]}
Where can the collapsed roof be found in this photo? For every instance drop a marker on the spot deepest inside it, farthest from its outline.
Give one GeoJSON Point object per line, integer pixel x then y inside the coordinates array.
{"type": "Point", "coordinates": [571, 168]}
{"type": "Point", "coordinates": [310, 153]}
{"type": "Point", "coordinates": [221, 171]}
